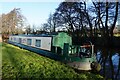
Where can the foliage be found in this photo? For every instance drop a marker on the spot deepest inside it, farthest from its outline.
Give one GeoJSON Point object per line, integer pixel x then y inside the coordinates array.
{"type": "Point", "coordinates": [19, 63]}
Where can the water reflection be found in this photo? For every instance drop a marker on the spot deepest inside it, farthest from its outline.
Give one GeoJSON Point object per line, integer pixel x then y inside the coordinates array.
{"type": "Point", "coordinates": [110, 62]}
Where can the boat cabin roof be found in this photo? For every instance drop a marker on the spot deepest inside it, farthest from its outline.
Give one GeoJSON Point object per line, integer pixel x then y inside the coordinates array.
{"type": "Point", "coordinates": [37, 35]}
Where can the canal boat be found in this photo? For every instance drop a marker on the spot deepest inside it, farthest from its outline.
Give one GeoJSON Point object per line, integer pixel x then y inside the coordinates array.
{"type": "Point", "coordinates": [58, 46]}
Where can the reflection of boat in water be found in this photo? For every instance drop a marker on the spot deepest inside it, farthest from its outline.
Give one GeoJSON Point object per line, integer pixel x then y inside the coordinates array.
{"type": "Point", "coordinates": [111, 70]}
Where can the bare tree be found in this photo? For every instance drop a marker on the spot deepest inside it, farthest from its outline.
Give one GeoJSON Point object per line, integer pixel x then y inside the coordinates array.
{"type": "Point", "coordinates": [46, 27]}
{"type": "Point", "coordinates": [64, 14]}
{"type": "Point", "coordinates": [106, 15]}
{"type": "Point", "coordinates": [52, 23]}
{"type": "Point", "coordinates": [106, 18]}
{"type": "Point", "coordinates": [13, 22]}
{"type": "Point", "coordinates": [28, 30]}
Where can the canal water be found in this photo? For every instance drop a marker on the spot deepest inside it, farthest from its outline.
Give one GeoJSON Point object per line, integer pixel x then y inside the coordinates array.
{"type": "Point", "coordinates": [110, 62]}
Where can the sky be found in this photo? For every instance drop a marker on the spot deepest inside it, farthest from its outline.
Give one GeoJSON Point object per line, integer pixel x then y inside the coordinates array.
{"type": "Point", "coordinates": [36, 13]}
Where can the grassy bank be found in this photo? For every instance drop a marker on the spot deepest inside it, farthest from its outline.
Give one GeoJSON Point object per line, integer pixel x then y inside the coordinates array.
{"type": "Point", "coordinates": [19, 63]}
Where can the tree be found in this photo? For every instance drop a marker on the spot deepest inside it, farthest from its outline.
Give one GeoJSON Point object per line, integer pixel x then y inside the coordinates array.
{"type": "Point", "coordinates": [52, 23]}
{"type": "Point", "coordinates": [28, 29]}
{"type": "Point", "coordinates": [84, 19]}
{"type": "Point", "coordinates": [64, 15]}
{"type": "Point", "coordinates": [107, 15]}
{"type": "Point", "coordinates": [33, 31]}
{"type": "Point", "coordinates": [13, 22]}
{"type": "Point", "coordinates": [106, 18]}
{"type": "Point", "coordinates": [74, 16]}
{"type": "Point", "coordinates": [46, 27]}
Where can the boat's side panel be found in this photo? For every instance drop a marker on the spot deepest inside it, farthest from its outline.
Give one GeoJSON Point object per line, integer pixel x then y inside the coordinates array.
{"type": "Point", "coordinates": [44, 42]}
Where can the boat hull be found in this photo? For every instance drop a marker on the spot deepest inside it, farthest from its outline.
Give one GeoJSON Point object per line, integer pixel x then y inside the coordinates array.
{"type": "Point", "coordinates": [80, 65]}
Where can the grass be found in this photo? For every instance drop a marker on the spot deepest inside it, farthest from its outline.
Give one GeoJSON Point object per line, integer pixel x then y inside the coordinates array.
{"type": "Point", "coordinates": [18, 64]}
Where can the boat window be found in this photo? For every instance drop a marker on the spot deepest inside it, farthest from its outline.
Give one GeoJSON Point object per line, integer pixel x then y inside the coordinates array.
{"type": "Point", "coordinates": [24, 40]}
{"type": "Point", "coordinates": [29, 41]}
{"type": "Point", "coordinates": [11, 38]}
{"type": "Point", "coordinates": [14, 39]}
{"type": "Point", "coordinates": [85, 52]}
{"type": "Point", "coordinates": [38, 43]}
{"type": "Point", "coordinates": [20, 40]}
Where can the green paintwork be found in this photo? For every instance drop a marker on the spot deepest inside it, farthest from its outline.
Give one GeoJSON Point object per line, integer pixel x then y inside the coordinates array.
{"type": "Point", "coordinates": [76, 49]}
{"type": "Point", "coordinates": [77, 59]}
{"type": "Point", "coordinates": [66, 49]}
{"type": "Point", "coordinates": [64, 41]}
{"type": "Point", "coordinates": [60, 39]}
